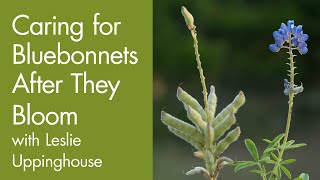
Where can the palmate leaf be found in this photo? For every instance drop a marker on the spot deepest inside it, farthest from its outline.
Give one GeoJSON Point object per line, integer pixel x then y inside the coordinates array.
{"type": "Point", "coordinates": [272, 145]}
{"type": "Point", "coordinates": [252, 149]}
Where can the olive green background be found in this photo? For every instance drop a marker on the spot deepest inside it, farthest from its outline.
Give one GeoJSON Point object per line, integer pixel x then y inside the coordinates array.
{"type": "Point", "coordinates": [118, 131]}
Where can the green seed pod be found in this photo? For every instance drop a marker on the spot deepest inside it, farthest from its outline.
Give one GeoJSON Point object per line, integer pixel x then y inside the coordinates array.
{"type": "Point", "coordinates": [182, 126]}
{"type": "Point", "coordinates": [196, 118]}
{"type": "Point", "coordinates": [188, 100]}
{"type": "Point", "coordinates": [198, 171]}
{"type": "Point", "coordinates": [228, 121]}
{"type": "Point", "coordinates": [195, 143]}
{"type": "Point", "coordinates": [231, 137]}
{"type": "Point", "coordinates": [188, 18]}
{"type": "Point", "coordinates": [199, 154]}
{"type": "Point", "coordinates": [212, 101]}
{"type": "Point", "coordinates": [209, 137]}
{"type": "Point", "coordinates": [233, 107]}
{"type": "Point", "coordinates": [210, 162]}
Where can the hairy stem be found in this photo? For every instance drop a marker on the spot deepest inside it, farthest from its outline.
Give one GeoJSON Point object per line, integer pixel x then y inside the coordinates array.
{"type": "Point", "coordinates": [203, 83]}
{"type": "Point", "coordinates": [290, 103]}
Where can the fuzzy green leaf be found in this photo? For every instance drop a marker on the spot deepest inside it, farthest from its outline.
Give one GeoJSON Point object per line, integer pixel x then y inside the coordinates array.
{"type": "Point", "coordinates": [275, 157]}
{"type": "Point", "coordinates": [265, 159]}
{"type": "Point", "coordinates": [266, 140]}
{"type": "Point", "coordinates": [269, 150]}
{"type": "Point", "coordinates": [252, 149]}
{"type": "Point", "coordinates": [286, 171]}
{"type": "Point", "coordinates": [264, 169]}
{"type": "Point", "coordinates": [294, 146]}
{"type": "Point", "coordinates": [244, 165]}
{"type": "Point", "coordinates": [271, 162]}
{"type": "Point", "coordinates": [278, 171]}
{"type": "Point", "coordinates": [304, 176]}
{"type": "Point", "coordinates": [288, 161]}
{"type": "Point", "coordinates": [256, 171]}
{"type": "Point", "coordinates": [290, 142]}
{"type": "Point", "coordinates": [275, 141]}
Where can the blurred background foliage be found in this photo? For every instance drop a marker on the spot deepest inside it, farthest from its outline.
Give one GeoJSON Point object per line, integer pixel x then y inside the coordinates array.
{"type": "Point", "coordinates": [233, 38]}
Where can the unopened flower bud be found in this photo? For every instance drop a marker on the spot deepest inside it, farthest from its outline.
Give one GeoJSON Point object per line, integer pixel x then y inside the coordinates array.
{"type": "Point", "coordinates": [188, 18]}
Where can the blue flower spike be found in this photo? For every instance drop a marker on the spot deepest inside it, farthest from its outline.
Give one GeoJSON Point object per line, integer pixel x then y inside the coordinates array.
{"type": "Point", "coordinates": [291, 34]}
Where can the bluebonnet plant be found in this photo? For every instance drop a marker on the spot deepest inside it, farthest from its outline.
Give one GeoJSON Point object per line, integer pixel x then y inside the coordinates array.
{"type": "Point", "coordinates": [295, 39]}
{"type": "Point", "coordinates": [209, 132]}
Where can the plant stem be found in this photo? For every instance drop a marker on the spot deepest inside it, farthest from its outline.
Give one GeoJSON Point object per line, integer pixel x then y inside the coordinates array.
{"type": "Point", "coordinates": [204, 92]}
{"type": "Point", "coordinates": [290, 103]}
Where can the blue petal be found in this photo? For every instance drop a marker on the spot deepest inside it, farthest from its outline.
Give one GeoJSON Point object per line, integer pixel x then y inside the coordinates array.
{"type": "Point", "coordinates": [287, 87]}
{"type": "Point", "coordinates": [295, 41]}
{"type": "Point", "coordinates": [286, 84]}
{"type": "Point", "coordinates": [274, 47]}
{"type": "Point", "coordinates": [302, 45]}
{"type": "Point", "coordinates": [304, 37]}
{"type": "Point", "coordinates": [279, 41]}
{"type": "Point", "coordinates": [276, 34]}
{"type": "Point", "coordinates": [303, 50]}
{"type": "Point", "coordinates": [299, 30]}
{"type": "Point", "coordinates": [290, 25]}
{"type": "Point", "coordinates": [294, 30]}
{"type": "Point", "coordinates": [284, 34]}
{"type": "Point", "coordinates": [283, 31]}
{"type": "Point", "coordinates": [283, 26]}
